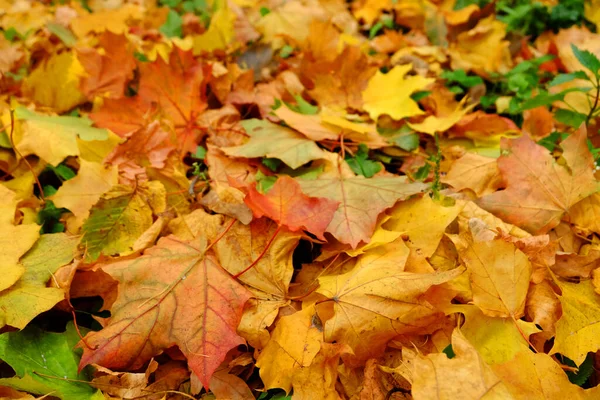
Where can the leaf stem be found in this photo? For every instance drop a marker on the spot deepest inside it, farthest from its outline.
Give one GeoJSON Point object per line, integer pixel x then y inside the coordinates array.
{"type": "Point", "coordinates": [591, 113]}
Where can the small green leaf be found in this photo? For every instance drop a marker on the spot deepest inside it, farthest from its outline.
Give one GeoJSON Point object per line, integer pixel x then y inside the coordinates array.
{"type": "Point", "coordinates": [64, 34]}
{"type": "Point", "coordinates": [449, 351]}
{"type": "Point", "coordinates": [264, 11]}
{"type": "Point", "coordinates": [584, 371]}
{"type": "Point", "coordinates": [11, 34]}
{"type": "Point", "coordinates": [570, 118]}
{"type": "Point", "coordinates": [140, 57]}
{"type": "Point", "coordinates": [564, 78]}
{"type": "Point", "coordinates": [375, 29]}
{"type": "Point", "coordinates": [170, 3]}
{"type": "Point", "coordinates": [423, 172]}
{"type": "Point", "coordinates": [551, 141]}
{"type": "Point", "coordinates": [264, 182]}
{"type": "Point", "coordinates": [307, 173]}
{"type": "Point", "coordinates": [21, 73]}
{"type": "Point", "coordinates": [286, 51]}
{"type": "Point", "coordinates": [271, 163]}
{"type": "Point", "coordinates": [303, 107]}
{"type": "Point", "coordinates": [361, 164]}
{"type": "Point", "coordinates": [200, 153]}
{"type": "Point", "coordinates": [173, 26]}
{"type": "Point", "coordinates": [416, 96]}
{"type": "Point", "coordinates": [407, 142]}
{"type": "Point", "coordinates": [587, 59]}
{"type": "Point", "coordinates": [63, 172]}
{"type": "Point", "coordinates": [542, 99]}
{"type": "Point", "coordinates": [460, 76]}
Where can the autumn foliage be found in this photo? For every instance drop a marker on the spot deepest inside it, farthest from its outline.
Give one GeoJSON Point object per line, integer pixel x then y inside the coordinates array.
{"type": "Point", "coordinates": [311, 199]}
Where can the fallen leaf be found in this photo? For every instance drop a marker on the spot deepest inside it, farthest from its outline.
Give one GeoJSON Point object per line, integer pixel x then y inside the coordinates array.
{"type": "Point", "coordinates": [29, 296]}
{"type": "Point", "coordinates": [475, 172]}
{"type": "Point", "coordinates": [170, 276]}
{"type": "Point", "coordinates": [576, 330]}
{"type": "Point", "coordinates": [46, 363]}
{"type": "Point", "coordinates": [294, 344]}
{"type": "Point", "coordinates": [361, 201]}
{"type": "Point", "coordinates": [270, 140]}
{"type": "Point", "coordinates": [285, 204]}
{"type": "Point", "coordinates": [465, 376]}
{"type": "Point", "coordinates": [107, 73]}
{"type": "Point", "coordinates": [377, 300]}
{"type": "Point", "coordinates": [422, 222]}
{"type": "Point", "coordinates": [381, 95]}
{"type": "Point", "coordinates": [499, 275]}
{"type": "Point", "coordinates": [537, 376]}
{"type": "Point", "coordinates": [539, 191]}
{"type": "Point", "coordinates": [82, 192]}
{"type": "Point", "coordinates": [63, 92]}
{"type": "Point", "coordinates": [54, 138]}
{"type": "Point", "coordinates": [119, 218]}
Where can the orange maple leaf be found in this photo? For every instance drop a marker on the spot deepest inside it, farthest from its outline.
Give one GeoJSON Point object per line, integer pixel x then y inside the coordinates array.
{"type": "Point", "coordinates": [287, 205]}
{"type": "Point", "coordinates": [540, 191]}
{"type": "Point", "coordinates": [175, 294]}
{"type": "Point", "coordinates": [181, 101]}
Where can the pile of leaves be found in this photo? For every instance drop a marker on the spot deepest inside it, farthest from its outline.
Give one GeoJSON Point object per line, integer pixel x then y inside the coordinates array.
{"type": "Point", "coordinates": [307, 199]}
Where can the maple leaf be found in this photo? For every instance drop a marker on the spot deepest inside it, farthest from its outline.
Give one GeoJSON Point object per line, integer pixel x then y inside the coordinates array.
{"type": "Point", "coordinates": [108, 73]}
{"type": "Point", "coordinates": [149, 146]}
{"type": "Point", "coordinates": [341, 82]}
{"type": "Point", "coordinates": [531, 375]}
{"type": "Point", "coordinates": [475, 172]}
{"type": "Point", "coordinates": [378, 300]}
{"type": "Point", "coordinates": [79, 194]}
{"type": "Point", "coordinates": [497, 340]}
{"type": "Point", "coordinates": [539, 190]}
{"type": "Point", "coordinates": [382, 94]}
{"type": "Point", "coordinates": [294, 343]}
{"type": "Point", "coordinates": [288, 206]}
{"type": "Point", "coordinates": [577, 328]}
{"type": "Point", "coordinates": [61, 92]}
{"type": "Point", "coordinates": [436, 376]}
{"type": "Point", "coordinates": [174, 294]}
{"type": "Point", "coordinates": [422, 221]}
{"type": "Point", "coordinates": [181, 102]}
{"type": "Point", "coordinates": [120, 217]}
{"type": "Point", "coordinates": [361, 201]}
{"type": "Point", "coordinates": [29, 296]}
{"type": "Point", "coordinates": [499, 274]}
{"type": "Point", "coordinates": [54, 138]}
{"type": "Point", "coordinates": [270, 140]}
{"type": "Point", "coordinates": [268, 279]}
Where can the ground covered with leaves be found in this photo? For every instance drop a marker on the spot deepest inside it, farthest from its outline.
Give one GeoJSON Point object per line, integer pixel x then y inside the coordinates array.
{"type": "Point", "coordinates": [306, 199]}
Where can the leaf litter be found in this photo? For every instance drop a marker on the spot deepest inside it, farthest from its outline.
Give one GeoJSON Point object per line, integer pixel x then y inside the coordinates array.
{"type": "Point", "coordinates": [310, 200]}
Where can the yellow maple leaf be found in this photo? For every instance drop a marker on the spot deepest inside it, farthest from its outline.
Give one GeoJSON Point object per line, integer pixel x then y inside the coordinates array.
{"type": "Point", "coordinates": [82, 192]}
{"type": "Point", "coordinates": [390, 93]}
{"type": "Point", "coordinates": [578, 329]}
{"type": "Point", "coordinates": [423, 221]}
{"type": "Point", "coordinates": [537, 376]}
{"type": "Point", "coordinates": [434, 123]}
{"type": "Point", "coordinates": [294, 343]}
{"type": "Point", "coordinates": [114, 20]}
{"type": "Point", "coordinates": [220, 33]}
{"type": "Point", "coordinates": [465, 376]}
{"type": "Point", "coordinates": [499, 274]}
{"type": "Point", "coordinates": [482, 48]}
{"type": "Point", "coordinates": [55, 83]}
